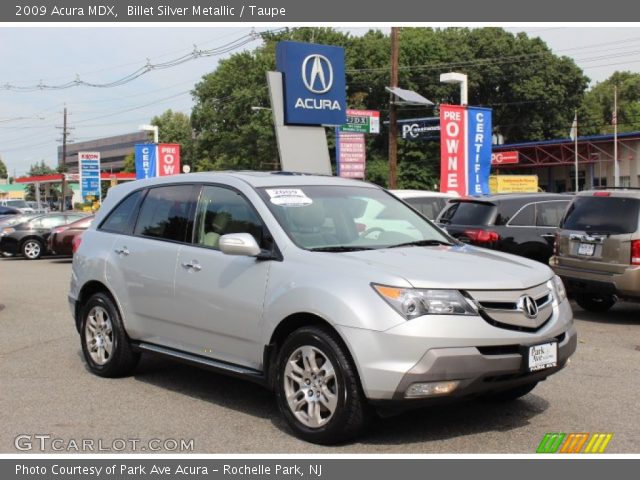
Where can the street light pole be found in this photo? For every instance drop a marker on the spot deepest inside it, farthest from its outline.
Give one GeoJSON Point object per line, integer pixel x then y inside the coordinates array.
{"type": "Point", "coordinates": [461, 78]}
{"type": "Point", "coordinates": [151, 128]}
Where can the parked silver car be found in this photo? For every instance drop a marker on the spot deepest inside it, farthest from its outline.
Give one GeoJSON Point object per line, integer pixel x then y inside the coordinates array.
{"type": "Point", "coordinates": [278, 278]}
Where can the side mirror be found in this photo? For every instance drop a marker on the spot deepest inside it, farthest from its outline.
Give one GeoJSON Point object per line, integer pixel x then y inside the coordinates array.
{"type": "Point", "coordinates": [239, 244]}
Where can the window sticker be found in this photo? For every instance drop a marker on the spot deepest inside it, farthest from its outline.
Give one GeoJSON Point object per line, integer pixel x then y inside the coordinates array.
{"type": "Point", "coordinates": [288, 197]}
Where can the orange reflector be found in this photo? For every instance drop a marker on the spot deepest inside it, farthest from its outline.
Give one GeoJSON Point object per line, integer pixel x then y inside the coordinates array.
{"type": "Point", "coordinates": [389, 292]}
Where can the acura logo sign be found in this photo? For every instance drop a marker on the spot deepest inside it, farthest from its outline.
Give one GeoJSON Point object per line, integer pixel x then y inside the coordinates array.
{"type": "Point", "coordinates": [528, 306]}
{"type": "Point", "coordinates": [319, 78]}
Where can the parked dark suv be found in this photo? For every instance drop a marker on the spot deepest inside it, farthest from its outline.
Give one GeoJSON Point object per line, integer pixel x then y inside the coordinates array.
{"type": "Point", "coordinates": [522, 224]}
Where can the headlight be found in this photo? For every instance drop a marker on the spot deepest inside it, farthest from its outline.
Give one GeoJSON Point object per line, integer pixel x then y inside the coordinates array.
{"type": "Point", "coordinates": [558, 288]}
{"type": "Point", "coordinates": [413, 302]}
{"type": "Point", "coordinates": [7, 231]}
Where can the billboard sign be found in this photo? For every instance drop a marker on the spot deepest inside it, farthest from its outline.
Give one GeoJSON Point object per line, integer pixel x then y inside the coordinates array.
{"type": "Point", "coordinates": [513, 183]}
{"type": "Point", "coordinates": [427, 128]}
{"type": "Point", "coordinates": [505, 158]}
{"type": "Point", "coordinates": [453, 165]}
{"type": "Point", "coordinates": [351, 154]}
{"type": "Point", "coordinates": [145, 160]}
{"type": "Point", "coordinates": [478, 150]}
{"type": "Point", "coordinates": [89, 164]}
{"type": "Point", "coordinates": [168, 159]}
{"type": "Point", "coordinates": [362, 121]}
{"type": "Point", "coordinates": [314, 83]}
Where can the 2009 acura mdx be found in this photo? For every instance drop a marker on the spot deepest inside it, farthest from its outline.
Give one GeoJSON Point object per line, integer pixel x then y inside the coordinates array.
{"type": "Point", "coordinates": [281, 279]}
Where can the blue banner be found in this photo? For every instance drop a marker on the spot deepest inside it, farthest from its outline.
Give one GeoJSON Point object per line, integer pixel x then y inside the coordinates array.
{"type": "Point", "coordinates": [89, 166]}
{"type": "Point", "coordinates": [146, 160]}
{"type": "Point", "coordinates": [478, 150]}
{"type": "Point", "coordinates": [313, 82]}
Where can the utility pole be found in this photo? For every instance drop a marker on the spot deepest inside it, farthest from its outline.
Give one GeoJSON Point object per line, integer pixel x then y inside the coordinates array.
{"type": "Point", "coordinates": [616, 164]}
{"type": "Point", "coordinates": [63, 162]}
{"type": "Point", "coordinates": [393, 112]}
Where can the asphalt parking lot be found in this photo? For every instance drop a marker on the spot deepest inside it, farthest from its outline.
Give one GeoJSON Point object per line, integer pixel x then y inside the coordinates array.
{"type": "Point", "coordinates": [46, 389]}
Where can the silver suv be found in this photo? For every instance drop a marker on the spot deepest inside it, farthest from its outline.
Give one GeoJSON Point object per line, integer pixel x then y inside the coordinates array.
{"type": "Point", "coordinates": [284, 280]}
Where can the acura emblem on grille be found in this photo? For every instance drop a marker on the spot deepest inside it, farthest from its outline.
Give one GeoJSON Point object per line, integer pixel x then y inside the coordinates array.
{"type": "Point", "coordinates": [528, 306]}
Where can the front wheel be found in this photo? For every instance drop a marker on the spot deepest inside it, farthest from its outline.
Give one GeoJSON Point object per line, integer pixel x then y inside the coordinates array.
{"type": "Point", "coordinates": [105, 344]}
{"type": "Point", "coordinates": [32, 249]}
{"type": "Point", "coordinates": [317, 387]}
{"type": "Point", "coordinates": [596, 303]}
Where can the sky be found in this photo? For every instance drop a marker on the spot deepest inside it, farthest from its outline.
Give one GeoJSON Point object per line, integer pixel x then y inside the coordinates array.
{"type": "Point", "coordinates": [29, 120]}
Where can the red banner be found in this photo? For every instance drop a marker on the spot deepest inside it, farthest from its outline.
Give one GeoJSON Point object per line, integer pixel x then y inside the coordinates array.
{"type": "Point", "coordinates": [168, 159]}
{"type": "Point", "coordinates": [453, 165]}
{"type": "Point", "coordinates": [503, 158]}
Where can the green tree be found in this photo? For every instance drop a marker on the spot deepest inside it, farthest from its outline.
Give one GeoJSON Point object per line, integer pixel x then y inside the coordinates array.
{"type": "Point", "coordinates": [533, 93]}
{"type": "Point", "coordinates": [175, 127]}
{"type": "Point", "coordinates": [3, 169]}
{"type": "Point", "coordinates": [35, 170]}
{"type": "Point", "coordinates": [596, 113]}
{"type": "Point", "coordinates": [129, 165]}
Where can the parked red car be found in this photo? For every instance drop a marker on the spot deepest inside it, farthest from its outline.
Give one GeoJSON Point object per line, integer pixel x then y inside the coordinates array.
{"type": "Point", "coordinates": [61, 239]}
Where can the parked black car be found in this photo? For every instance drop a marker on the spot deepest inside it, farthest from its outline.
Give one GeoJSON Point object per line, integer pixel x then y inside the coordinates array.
{"type": "Point", "coordinates": [6, 211]}
{"type": "Point", "coordinates": [30, 236]}
{"type": "Point", "coordinates": [523, 224]}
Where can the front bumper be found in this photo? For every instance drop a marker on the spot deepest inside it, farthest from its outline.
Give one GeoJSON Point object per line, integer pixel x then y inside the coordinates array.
{"type": "Point", "coordinates": [9, 245]}
{"type": "Point", "coordinates": [481, 357]}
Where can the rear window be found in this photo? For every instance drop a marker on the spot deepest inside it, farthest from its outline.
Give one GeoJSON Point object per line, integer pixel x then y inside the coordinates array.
{"type": "Point", "coordinates": [603, 215]}
{"type": "Point", "coordinates": [429, 207]}
{"type": "Point", "coordinates": [468, 213]}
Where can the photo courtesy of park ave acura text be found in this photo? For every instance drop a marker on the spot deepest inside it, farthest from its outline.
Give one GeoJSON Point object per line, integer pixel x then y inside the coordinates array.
{"type": "Point", "coordinates": [291, 240]}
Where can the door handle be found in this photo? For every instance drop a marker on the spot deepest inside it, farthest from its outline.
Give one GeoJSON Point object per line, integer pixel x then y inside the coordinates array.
{"type": "Point", "coordinates": [193, 265]}
{"type": "Point", "coordinates": [548, 235]}
{"type": "Point", "coordinates": [122, 251]}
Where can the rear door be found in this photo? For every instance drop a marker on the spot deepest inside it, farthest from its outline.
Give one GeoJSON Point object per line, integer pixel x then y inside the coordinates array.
{"type": "Point", "coordinates": [141, 265]}
{"type": "Point", "coordinates": [597, 232]}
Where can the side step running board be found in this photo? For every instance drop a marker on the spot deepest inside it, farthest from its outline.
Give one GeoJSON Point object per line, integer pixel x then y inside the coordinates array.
{"type": "Point", "coordinates": [202, 362]}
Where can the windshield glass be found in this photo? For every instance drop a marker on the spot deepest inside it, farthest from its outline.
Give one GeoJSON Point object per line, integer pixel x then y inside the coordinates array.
{"type": "Point", "coordinates": [467, 213]}
{"type": "Point", "coordinates": [17, 204]}
{"type": "Point", "coordinates": [342, 218]}
{"type": "Point", "coordinates": [603, 215]}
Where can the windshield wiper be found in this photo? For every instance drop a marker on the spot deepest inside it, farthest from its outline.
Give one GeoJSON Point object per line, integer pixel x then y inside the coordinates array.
{"type": "Point", "coordinates": [422, 243]}
{"type": "Point", "coordinates": [339, 248]}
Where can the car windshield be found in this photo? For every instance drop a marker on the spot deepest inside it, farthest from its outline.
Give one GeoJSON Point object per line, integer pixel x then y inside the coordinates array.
{"type": "Point", "coordinates": [603, 215]}
{"type": "Point", "coordinates": [17, 204]}
{"type": "Point", "coordinates": [348, 218]}
{"type": "Point", "coordinates": [15, 220]}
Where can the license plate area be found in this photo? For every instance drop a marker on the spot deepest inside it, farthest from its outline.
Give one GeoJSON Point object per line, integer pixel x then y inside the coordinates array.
{"type": "Point", "coordinates": [586, 249]}
{"type": "Point", "coordinates": [542, 356]}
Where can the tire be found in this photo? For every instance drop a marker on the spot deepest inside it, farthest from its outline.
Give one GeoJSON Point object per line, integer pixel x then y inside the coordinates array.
{"type": "Point", "coordinates": [513, 393]}
{"type": "Point", "coordinates": [596, 303]}
{"type": "Point", "coordinates": [105, 344]}
{"type": "Point", "coordinates": [32, 249]}
{"type": "Point", "coordinates": [309, 411]}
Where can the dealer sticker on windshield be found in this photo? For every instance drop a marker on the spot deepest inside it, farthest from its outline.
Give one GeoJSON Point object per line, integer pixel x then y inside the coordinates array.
{"type": "Point", "coordinates": [543, 356]}
{"type": "Point", "coordinates": [288, 197]}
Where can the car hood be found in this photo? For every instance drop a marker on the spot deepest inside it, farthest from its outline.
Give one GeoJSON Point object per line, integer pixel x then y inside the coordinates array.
{"type": "Point", "coordinates": [459, 267]}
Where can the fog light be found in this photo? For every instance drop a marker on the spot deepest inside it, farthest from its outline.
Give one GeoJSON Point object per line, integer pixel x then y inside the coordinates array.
{"type": "Point", "coordinates": [431, 389]}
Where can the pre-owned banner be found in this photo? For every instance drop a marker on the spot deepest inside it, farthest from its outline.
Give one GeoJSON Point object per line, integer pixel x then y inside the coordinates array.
{"type": "Point", "coordinates": [453, 167]}
{"type": "Point", "coordinates": [478, 150]}
{"type": "Point", "coordinates": [168, 159]}
{"type": "Point", "coordinates": [465, 149]}
{"type": "Point", "coordinates": [145, 160]}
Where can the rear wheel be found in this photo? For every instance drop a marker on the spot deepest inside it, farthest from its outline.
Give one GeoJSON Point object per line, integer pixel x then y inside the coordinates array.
{"type": "Point", "coordinates": [596, 303]}
{"type": "Point", "coordinates": [32, 249]}
{"type": "Point", "coordinates": [105, 344]}
{"type": "Point", "coordinates": [317, 387]}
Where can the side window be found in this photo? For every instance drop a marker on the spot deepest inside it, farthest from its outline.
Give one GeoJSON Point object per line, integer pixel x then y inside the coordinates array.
{"type": "Point", "coordinates": [120, 219]}
{"type": "Point", "coordinates": [165, 213]}
{"type": "Point", "coordinates": [525, 217]}
{"type": "Point", "coordinates": [549, 214]}
{"type": "Point", "coordinates": [222, 211]}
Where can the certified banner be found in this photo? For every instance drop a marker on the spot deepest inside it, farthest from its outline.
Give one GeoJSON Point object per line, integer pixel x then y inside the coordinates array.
{"type": "Point", "coordinates": [478, 150]}
{"type": "Point", "coordinates": [168, 159]}
{"type": "Point", "coordinates": [453, 166]}
{"type": "Point", "coordinates": [146, 160]}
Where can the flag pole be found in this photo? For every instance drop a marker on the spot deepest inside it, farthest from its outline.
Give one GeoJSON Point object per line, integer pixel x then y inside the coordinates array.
{"type": "Point", "coordinates": [575, 139]}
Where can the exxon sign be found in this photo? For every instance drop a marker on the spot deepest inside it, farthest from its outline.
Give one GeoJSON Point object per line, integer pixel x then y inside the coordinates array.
{"type": "Point", "coordinates": [313, 83]}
